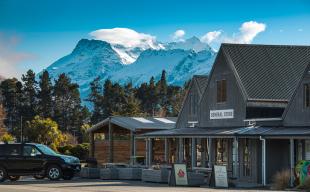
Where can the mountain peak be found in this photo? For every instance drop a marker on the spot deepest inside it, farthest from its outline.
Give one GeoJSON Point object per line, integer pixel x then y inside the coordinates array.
{"type": "Point", "coordinates": [193, 39]}
{"type": "Point", "coordinates": [192, 43]}
{"type": "Point", "coordinates": [90, 45]}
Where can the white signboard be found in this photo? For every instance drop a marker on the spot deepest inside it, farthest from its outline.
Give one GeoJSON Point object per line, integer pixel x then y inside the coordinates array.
{"type": "Point", "coordinates": [222, 114]}
{"type": "Point", "coordinates": [180, 174]}
{"type": "Point", "coordinates": [220, 175]}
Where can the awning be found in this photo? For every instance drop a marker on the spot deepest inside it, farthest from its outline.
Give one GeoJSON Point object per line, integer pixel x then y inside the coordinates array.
{"type": "Point", "coordinates": [279, 132]}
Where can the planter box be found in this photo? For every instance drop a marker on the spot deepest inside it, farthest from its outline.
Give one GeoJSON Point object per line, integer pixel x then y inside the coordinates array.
{"type": "Point", "coordinates": [90, 173]}
{"type": "Point", "coordinates": [129, 173]}
{"type": "Point", "coordinates": [195, 179]}
{"type": "Point", "coordinates": [155, 176]}
{"type": "Point", "coordinates": [109, 174]}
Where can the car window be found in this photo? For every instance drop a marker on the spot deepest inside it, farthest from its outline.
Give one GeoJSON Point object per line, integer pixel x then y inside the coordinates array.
{"type": "Point", "coordinates": [1, 150]}
{"type": "Point", "coordinates": [13, 150]}
{"type": "Point", "coordinates": [30, 151]}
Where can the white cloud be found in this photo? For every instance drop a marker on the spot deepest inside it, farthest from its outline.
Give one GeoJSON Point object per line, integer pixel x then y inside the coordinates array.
{"type": "Point", "coordinates": [300, 30]}
{"type": "Point", "coordinates": [126, 37]}
{"type": "Point", "coordinates": [247, 32]}
{"type": "Point", "coordinates": [178, 35]}
{"type": "Point", "coordinates": [210, 36]}
{"type": "Point", "coordinates": [10, 59]}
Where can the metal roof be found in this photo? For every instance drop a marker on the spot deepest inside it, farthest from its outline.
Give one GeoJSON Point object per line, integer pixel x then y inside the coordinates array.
{"type": "Point", "coordinates": [268, 71]}
{"type": "Point", "coordinates": [202, 82]}
{"type": "Point", "coordinates": [233, 132]}
{"type": "Point", "coordinates": [134, 123]}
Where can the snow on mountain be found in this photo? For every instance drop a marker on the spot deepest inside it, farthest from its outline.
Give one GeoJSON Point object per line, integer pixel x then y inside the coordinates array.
{"type": "Point", "coordinates": [89, 59]}
{"type": "Point", "coordinates": [193, 43]}
{"type": "Point", "coordinates": [93, 58]}
{"type": "Point", "coordinates": [179, 64]}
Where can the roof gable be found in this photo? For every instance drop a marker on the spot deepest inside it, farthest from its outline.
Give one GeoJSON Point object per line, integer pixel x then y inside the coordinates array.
{"type": "Point", "coordinates": [268, 72]}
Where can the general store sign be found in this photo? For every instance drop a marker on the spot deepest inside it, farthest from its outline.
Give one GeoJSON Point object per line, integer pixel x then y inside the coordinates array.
{"type": "Point", "coordinates": [222, 114]}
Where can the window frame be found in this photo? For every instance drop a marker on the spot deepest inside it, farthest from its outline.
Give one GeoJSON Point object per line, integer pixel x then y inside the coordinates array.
{"type": "Point", "coordinates": [306, 95]}
{"type": "Point", "coordinates": [221, 91]}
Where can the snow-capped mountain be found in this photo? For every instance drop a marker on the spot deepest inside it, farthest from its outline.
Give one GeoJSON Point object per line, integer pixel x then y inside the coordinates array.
{"type": "Point", "coordinates": [179, 64]}
{"type": "Point", "coordinates": [93, 58]}
{"type": "Point", "coordinates": [193, 43]}
{"type": "Point", "coordinates": [88, 60]}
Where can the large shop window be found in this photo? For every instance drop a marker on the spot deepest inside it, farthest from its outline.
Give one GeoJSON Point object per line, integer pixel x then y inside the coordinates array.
{"type": "Point", "coordinates": [222, 151]}
{"type": "Point", "coordinates": [221, 93]}
{"type": "Point", "coordinates": [307, 95]}
{"type": "Point", "coordinates": [307, 149]}
{"type": "Point", "coordinates": [246, 158]}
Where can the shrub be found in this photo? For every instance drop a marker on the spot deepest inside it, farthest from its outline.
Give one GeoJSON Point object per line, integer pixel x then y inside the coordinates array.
{"type": "Point", "coordinates": [81, 150]}
{"type": "Point", "coordinates": [306, 185]}
{"type": "Point", "coordinates": [7, 138]}
{"type": "Point", "coordinates": [281, 180]}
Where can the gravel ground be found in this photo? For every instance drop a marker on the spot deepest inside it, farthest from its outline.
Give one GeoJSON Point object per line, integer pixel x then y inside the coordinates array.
{"type": "Point", "coordinates": [84, 185]}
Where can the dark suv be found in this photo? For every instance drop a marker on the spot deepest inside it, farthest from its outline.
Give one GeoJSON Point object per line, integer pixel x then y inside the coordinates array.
{"type": "Point", "coordinates": [36, 160]}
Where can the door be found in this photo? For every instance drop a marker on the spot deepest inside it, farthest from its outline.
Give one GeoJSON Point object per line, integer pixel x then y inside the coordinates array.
{"type": "Point", "coordinates": [34, 160]}
{"type": "Point", "coordinates": [248, 160]}
{"type": "Point", "coordinates": [14, 160]}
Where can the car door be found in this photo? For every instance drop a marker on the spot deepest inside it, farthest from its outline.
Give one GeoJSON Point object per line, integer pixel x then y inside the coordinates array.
{"type": "Point", "coordinates": [33, 159]}
{"type": "Point", "coordinates": [15, 159]}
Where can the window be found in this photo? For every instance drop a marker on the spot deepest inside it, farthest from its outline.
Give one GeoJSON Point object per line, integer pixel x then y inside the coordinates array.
{"type": "Point", "coordinates": [31, 151]}
{"type": "Point", "coordinates": [307, 95]}
{"type": "Point", "coordinates": [222, 151]}
{"type": "Point", "coordinates": [221, 91]}
{"type": "Point", "coordinates": [193, 104]}
{"type": "Point", "coordinates": [246, 158]}
{"type": "Point", "coordinates": [13, 150]}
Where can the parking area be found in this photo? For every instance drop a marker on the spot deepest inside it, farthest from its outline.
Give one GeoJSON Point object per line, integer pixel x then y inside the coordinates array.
{"type": "Point", "coordinates": [84, 185]}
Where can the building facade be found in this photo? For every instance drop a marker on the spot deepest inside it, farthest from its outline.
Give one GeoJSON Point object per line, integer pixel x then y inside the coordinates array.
{"type": "Point", "coordinates": [251, 115]}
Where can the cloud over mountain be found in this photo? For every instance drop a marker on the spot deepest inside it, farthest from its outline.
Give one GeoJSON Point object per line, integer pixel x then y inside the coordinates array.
{"type": "Point", "coordinates": [126, 37]}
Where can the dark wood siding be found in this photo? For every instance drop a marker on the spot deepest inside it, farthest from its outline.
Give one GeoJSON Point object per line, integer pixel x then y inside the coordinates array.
{"type": "Point", "coordinates": [190, 107]}
{"type": "Point", "coordinates": [298, 114]}
{"type": "Point", "coordinates": [235, 100]}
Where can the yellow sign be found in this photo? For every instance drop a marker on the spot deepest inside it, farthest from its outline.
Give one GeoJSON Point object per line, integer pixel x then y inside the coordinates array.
{"type": "Point", "coordinates": [180, 173]}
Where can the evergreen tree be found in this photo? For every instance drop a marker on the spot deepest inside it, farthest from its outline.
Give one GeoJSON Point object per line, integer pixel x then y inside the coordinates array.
{"type": "Point", "coordinates": [45, 108]}
{"type": "Point", "coordinates": [11, 90]}
{"type": "Point", "coordinates": [67, 104]}
{"type": "Point", "coordinates": [152, 98]}
{"type": "Point", "coordinates": [141, 94]}
{"type": "Point", "coordinates": [96, 98]}
{"type": "Point", "coordinates": [29, 95]}
{"type": "Point", "coordinates": [107, 99]}
{"type": "Point", "coordinates": [161, 90]}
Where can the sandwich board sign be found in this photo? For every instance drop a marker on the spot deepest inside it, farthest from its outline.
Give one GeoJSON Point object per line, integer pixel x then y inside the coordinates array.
{"type": "Point", "coordinates": [178, 175]}
{"type": "Point", "coordinates": [220, 176]}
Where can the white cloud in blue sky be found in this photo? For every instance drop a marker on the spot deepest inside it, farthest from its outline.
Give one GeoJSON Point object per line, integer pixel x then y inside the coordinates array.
{"type": "Point", "coordinates": [10, 58]}
{"type": "Point", "coordinates": [178, 35]}
{"type": "Point", "coordinates": [211, 36]}
{"type": "Point", "coordinates": [127, 37]}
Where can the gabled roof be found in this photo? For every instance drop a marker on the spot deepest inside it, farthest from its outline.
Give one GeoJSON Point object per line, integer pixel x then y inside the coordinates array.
{"type": "Point", "coordinates": [134, 123]}
{"type": "Point", "coordinates": [268, 72]}
{"type": "Point", "coordinates": [201, 81]}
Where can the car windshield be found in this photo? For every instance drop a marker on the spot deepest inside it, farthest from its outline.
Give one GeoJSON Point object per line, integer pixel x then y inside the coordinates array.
{"type": "Point", "coordinates": [46, 150]}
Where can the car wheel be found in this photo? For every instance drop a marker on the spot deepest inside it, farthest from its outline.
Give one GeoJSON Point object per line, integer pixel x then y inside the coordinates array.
{"type": "Point", "coordinates": [39, 177]}
{"type": "Point", "coordinates": [14, 178]}
{"type": "Point", "coordinates": [54, 172]}
{"type": "Point", "coordinates": [68, 176]}
{"type": "Point", "coordinates": [3, 174]}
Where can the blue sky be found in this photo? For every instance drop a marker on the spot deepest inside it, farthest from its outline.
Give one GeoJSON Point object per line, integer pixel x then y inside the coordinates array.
{"type": "Point", "coordinates": [35, 33]}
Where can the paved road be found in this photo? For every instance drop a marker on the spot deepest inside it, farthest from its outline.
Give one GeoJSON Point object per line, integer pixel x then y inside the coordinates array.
{"type": "Point", "coordinates": [30, 185]}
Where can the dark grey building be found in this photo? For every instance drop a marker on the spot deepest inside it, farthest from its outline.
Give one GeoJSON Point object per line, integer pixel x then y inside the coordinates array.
{"type": "Point", "coordinates": [253, 115]}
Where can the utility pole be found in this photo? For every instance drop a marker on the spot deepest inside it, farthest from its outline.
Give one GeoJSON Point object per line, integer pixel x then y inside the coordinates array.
{"type": "Point", "coordinates": [21, 129]}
